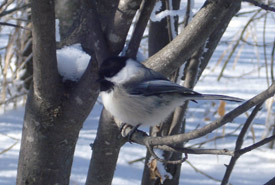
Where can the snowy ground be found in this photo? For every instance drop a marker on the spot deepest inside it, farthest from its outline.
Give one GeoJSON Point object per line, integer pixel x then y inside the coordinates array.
{"type": "Point", "coordinates": [244, 81]}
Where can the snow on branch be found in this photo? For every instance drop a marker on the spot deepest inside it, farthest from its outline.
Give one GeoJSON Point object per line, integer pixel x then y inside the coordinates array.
{"type": "Point", "coordinates": [156, 17]}
{"type": "Point", "coordinates": [72, 61]}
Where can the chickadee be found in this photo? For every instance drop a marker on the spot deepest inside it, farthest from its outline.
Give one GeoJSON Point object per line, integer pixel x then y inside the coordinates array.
{"type": "Point", "coordinates": [137, 95]}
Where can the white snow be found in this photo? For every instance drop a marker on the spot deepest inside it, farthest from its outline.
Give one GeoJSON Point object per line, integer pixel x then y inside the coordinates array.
{"type": "Point", "coordinates": [72, 62]}
{"type": "Point", "coordinates": [155, 17]}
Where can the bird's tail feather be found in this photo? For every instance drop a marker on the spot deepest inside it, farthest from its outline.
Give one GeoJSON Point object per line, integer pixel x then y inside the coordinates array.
{"type": "Point", "coordinates": [214, 97]}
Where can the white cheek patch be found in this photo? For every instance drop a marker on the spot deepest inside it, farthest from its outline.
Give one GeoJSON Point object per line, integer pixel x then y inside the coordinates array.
{"type": "Point", "coordinates": [130, 70]}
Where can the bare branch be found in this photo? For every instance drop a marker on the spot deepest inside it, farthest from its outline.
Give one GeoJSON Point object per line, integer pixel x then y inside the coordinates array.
{"type": "Point", "coordinates": [167, 60]}
{"type": "Point", "coordinates": [121, 24]}
{"type": "Point", "coordinates": [12, 98]}
{"type": "Point", "coordinates": [196, 151]}
{"type": "Point", "coordinates": [237, 43]}
{"type": "Point", "coordinates": [203, 173]}
{"type": "Point", "coordinates": [144, 15]}
{"type": "Point", "coordinates": [9, 148]}
{"type": "Point", "coordinates": [213, 41]}
{"type": "Point", "coordinates": [45, 73]}
{"type": "Point", "coordinates": [87, 87]}
{"type": "Point", "coordinates": [256, 145]}
{"type": "Point", "coordinates": [13, 25]}
{"type": "Point", "coordinates": [271, 181]}
{"type": "Point", "coordinates": [14, 9]}
{"type": "Point", "coordinates": [261, 5]}
{"type": "Point", "coordinates": [96, 38]}
{"type": "Point", "coordinates": [239, 143]}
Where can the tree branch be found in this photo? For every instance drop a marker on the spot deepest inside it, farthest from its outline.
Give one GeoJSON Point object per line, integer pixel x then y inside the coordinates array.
{"type": "Point", "coordinates": [271, 181]}
{"type": "Point", "coordinates": [213, 41]}
{"type": "Point", "coordinates": [121, 24]}
{"type": "Point", "coordinates": [96, 38]}
{"type": "Point", "coordinates": [13, 25]}
{"type": "Point", "coordinates": [239, 143]}
{"type": "Point", "coordinates": [87, 87]}
{"type": "Point", "coordinates": [168, 59]}
{"type": "Point", "coordinates": [4, 13]}
{"type": "Point", "coordinates": [143, 17]}
{"type": "Point", "coordinates": [45, 73]}
{"type": "Point", "coordinates": [196, 151]}
{"type": "Point", "coordinates": [261, 5]}
{"type": "Point", "coordinates": [256, 145]}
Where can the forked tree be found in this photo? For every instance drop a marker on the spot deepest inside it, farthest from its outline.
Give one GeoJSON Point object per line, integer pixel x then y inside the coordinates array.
{"type": "Point", "coordinates": [55, 111]}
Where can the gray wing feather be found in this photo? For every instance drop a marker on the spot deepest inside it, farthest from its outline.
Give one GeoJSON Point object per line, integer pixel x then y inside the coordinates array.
{"type": "Point", "coordinates": [149, 82]}
{"type": "Point", "coordinates": [156, 87]}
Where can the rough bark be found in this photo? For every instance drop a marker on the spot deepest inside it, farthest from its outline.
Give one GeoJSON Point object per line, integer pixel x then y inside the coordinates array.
{"type": "Point", "coordinates": [45, 74]}
{"type": "Point", "coordinates": [139, 28]}
{"type": "Point", "coordinates": [120, 25]}
{"type": "Point", "coordinates": [107, 145]}
{"type": "Point", "coordinates": [66, 11]}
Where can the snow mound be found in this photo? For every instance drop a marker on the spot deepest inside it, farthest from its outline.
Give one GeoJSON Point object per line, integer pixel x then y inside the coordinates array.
{"type": "Point", "coordinates": [72, 61]}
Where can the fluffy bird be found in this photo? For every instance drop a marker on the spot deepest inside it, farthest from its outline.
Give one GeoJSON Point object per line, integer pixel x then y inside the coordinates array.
{"type": "Point", "coordinates": [137, 95]}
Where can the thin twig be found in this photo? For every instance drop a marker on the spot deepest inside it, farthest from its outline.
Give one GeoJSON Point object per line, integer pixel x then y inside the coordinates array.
{"type": "Point", "coordinates": [136, 160]}
{"type": "Point", "coordinates": [237, 44]}
{"type": "Point", "coordinates": [265, 54]}
{"type": "Point", "coordinates": [203, 173]}
{"type": "Point", "coordinates": [97, 40]}
{"type": "Point", "coordinates": [13, 25]}
{"type": "Point", "coordinates": [256, 145]}
{"type": "Point", "coordinates": [3, 4]}
{"type": "Point", "coordinates": [15, 9]}
{"type": "Point", "coordinates": [216, 138]}
{"type": "Point", "coordinates": [151, 150]}
{"type": "Point", "coordinates": [261, 5]}
{"type": "Point", "coordinates": [13, 98]}
{"type": "Point", "coordinates": [239, 144]}
{"type": "Point", "coordinates": [10, 147]}
{"type": "Point", "coordinates": [272, 61]}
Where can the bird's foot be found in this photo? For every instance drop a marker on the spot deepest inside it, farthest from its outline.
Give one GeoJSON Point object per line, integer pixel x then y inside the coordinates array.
{"type": "Point", "coordinates": [129, 135]}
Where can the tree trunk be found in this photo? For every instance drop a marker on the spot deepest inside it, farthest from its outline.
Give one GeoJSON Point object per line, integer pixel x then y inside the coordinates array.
{"type": "Point", "coordinates": [54, 111]}
{"type": "Point", "coordinates": [47, 145]}
{"type": "Point", "coordinates": [107, 146]}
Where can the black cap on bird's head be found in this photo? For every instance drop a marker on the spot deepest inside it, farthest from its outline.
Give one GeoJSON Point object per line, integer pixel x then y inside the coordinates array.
{"type": "Point", "coordinates": [111, 66]}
